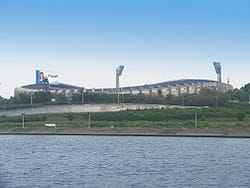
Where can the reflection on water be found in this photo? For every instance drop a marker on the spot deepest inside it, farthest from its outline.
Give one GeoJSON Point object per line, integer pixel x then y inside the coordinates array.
{"type": "Point", "coordinates": [106, 161]}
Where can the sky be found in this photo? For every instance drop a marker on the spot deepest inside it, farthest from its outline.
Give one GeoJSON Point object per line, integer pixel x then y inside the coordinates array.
{"type": "Point", "coordinates": [84, 41]}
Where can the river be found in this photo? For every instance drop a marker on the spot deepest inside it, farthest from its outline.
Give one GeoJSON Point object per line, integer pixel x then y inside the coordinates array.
{"type": "Point", "coordinates": [123, 161]}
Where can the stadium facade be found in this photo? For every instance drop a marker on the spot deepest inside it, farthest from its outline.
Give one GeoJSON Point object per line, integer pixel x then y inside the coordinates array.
{"type": "Point", "coordinates": [174, 88]}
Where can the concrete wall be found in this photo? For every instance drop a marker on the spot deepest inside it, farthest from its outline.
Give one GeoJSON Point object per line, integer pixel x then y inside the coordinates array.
{"type": "Point", "coordinates": [79, 108]}
{"type": "Point", "coordinates": [86, 108]}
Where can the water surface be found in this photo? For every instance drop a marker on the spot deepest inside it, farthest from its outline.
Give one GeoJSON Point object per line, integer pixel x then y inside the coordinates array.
{"type": "Point", "coordinates": [115, 161]}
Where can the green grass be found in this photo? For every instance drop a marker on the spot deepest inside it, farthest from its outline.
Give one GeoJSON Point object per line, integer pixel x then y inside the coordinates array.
{"type": "Point", "coordinates": [169, 118]}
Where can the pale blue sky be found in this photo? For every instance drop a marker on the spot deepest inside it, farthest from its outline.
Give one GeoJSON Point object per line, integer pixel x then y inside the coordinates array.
{"type": "Point", "coordinates": [157, 40]}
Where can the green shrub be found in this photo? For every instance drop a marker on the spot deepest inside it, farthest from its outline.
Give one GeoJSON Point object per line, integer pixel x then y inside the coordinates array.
{"type": "Point", "coordinates": [70, 117]}
{"type": "Point", "coordinates": [241, 116]}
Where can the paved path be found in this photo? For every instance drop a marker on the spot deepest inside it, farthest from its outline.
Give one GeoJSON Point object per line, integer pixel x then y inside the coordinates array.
{"type": "Point", "coordinates": [82, 108]}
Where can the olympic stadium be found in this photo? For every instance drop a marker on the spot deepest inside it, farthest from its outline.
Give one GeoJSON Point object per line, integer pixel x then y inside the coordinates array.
{"type": "Point", "coordinates": [175, 88]}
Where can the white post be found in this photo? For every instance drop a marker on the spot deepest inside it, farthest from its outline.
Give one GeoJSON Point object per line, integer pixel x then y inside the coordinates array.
{"type": "Point", "coordinates": [195, 119]}
{"type": "Point", "coordinates": [89, 123]}
{"type": "Point", "coordinates": [23, 114]}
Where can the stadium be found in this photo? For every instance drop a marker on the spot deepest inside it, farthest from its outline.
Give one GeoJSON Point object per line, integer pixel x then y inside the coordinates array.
{"type": "Point", "coordinates": [48, 82]}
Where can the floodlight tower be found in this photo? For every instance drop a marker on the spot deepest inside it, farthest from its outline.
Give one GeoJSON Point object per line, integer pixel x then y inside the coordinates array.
{"type": "Point", "coordinates": [217, 67]}
{"type": "Point", "coordinates": [118, 74]}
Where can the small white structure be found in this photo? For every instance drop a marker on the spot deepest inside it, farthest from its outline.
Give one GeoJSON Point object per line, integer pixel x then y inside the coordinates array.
{"type": "Point", "coordinates": [50, 125]}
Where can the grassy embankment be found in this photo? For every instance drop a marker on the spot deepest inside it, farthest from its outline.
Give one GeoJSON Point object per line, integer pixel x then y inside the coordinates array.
{"type": "Point", "coordinates": [238, 117]}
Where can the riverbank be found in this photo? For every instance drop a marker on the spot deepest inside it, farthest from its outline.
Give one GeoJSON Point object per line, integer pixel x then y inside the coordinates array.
{"type": "Point", "coordinates": [128, 131]}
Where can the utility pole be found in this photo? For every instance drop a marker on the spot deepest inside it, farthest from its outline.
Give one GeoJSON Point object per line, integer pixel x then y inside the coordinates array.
{"type": "Point", "coordinates": [89, 123]}
{"type": "Point", "coordinates": [31, 100]}
{"type": "Point", "coordinates": [216, 100]}
{"type": "Point", "coordinates": [195, 119]}
{"type": "Point", "coordinates": [183, 102]}
{"type": "Point", "coordinates": [82, 95]}
{"type": "Point", "coordinates": [228, 91]}
{"type": "Point", "coordinates": [122, 99]}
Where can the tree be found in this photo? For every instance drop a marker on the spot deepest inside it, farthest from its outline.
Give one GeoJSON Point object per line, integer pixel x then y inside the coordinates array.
{"type": "Point", "coordinates": [42, 97]}
{"type": "Point", "coordinates": [159, 91]}
{"type": "Point", "coordinates": [22, 98]}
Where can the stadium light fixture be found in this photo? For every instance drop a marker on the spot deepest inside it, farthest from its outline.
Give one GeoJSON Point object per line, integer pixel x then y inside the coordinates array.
{"type": "Point", "coordinates": [217, 67]}
{"type": "Point", "coordinates": [119, 71]}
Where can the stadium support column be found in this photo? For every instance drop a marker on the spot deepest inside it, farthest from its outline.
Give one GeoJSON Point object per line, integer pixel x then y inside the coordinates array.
{"type": "Point", "coordinates": [217, 67]}
{"type": "Point", "coordinates": [118, 74]}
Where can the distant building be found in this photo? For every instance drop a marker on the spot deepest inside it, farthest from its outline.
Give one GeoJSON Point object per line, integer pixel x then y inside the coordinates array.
{"type": "Point", "coordinates": [64, 89]}
{"type": "Point", "coordinates": [174, 88]}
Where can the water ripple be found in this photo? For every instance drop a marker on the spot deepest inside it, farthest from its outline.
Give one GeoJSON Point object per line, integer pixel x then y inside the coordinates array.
{"type": "Point", "coordinates": [102, 161]}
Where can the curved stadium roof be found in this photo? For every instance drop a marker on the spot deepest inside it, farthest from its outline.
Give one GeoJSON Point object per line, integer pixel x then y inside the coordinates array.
{"type": "Point", "coordinates": [50, 86]}
{"type": "Point", "coordinates": [172, 83]}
